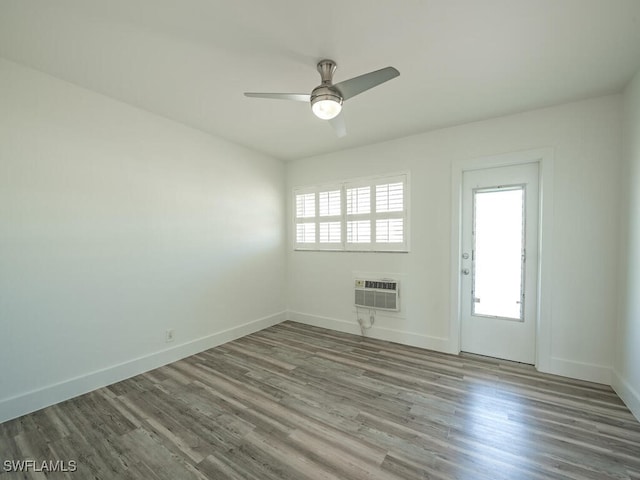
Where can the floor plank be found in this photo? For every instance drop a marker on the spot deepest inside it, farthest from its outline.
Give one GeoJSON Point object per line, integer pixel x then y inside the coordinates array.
{"type": "Point", "coordinates": [300, 402]}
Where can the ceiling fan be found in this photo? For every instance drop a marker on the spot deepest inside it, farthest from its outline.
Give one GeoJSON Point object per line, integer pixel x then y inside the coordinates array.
{"type": "Point", "coordinates": [327, 98]}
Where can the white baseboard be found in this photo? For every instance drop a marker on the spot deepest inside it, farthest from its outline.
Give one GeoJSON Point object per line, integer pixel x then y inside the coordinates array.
{"type": "Point", "coordinates": [380, 333]}
{"type": "Point", "coordinates": [627, 393]}
{"type": "Point", "coordinates": [19, 405]}
{"type": "Point", "coordinates": [579, 370]}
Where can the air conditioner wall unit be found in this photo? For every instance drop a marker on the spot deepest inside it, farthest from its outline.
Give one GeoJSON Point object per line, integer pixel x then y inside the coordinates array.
{"type": "Point", "coordinates": [378, 294]}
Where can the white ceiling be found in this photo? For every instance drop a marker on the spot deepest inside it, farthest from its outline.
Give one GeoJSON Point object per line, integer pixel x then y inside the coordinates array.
{"type": "Point", "coordinates": [459, 60]}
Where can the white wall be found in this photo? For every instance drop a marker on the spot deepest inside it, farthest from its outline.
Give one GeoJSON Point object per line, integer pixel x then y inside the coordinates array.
{"type": "Point", "coordinates": [116, 225]}
{"type": "Point", "coordinates": [627, 368]}
{"type": "Point", "coordinates": [585, 138]}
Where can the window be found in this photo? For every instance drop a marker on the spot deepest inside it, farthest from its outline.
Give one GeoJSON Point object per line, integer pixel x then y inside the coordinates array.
{"type": "Point", "coordinates": [365, 214]}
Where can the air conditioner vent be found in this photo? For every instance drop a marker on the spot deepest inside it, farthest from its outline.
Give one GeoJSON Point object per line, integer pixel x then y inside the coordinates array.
{"type": "Point", "coordinates": [379, 294]}
{"type": "Point", "coordinates": [380, 285]}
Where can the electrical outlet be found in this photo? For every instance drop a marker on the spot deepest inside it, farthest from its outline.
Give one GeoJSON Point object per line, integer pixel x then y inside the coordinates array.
{"type": "Point", "coordinates": [169, 335]}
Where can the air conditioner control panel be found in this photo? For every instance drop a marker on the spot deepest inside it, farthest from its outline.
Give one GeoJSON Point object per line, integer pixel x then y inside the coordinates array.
{"type": "Point", "coordinates": [377, 284]}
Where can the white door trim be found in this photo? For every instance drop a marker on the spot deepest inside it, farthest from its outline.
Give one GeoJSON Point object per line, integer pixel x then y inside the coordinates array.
{"type": "Point", "coordinates": [545, 159]}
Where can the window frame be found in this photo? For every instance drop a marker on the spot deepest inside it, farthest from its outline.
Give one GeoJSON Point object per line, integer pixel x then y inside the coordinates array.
{"type": "Point", "coordinates": [373, 216]}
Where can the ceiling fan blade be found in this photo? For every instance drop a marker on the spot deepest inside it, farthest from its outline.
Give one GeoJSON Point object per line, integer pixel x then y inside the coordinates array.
{"type": "Point", "coordinates": [298, 97]}
{"type": "Point", "coordinates": [356, 85]}
{"type": "Point", "coordinates": [338, 125]}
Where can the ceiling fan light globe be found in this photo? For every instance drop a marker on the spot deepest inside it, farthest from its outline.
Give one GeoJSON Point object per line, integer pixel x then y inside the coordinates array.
{"type": "Point", "coordinates": [325, 102]}
{"type": "Point", "coordinates": [326, 109]}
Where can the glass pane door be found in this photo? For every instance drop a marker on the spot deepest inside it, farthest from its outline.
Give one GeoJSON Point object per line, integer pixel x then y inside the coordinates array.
{"type": "Point", "coordinates": [498, 252]}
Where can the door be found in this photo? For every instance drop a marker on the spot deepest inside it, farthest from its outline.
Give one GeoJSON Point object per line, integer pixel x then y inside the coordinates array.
{"type": "Point", "coordinates": [500, 262]}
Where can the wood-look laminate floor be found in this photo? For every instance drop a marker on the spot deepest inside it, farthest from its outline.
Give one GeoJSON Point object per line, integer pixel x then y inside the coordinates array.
{"type": "Point", "coordinates": [298, 402]}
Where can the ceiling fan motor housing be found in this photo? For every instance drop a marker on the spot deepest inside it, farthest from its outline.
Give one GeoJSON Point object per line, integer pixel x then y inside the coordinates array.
{"type": "Point", "coordinates": [325, 93]}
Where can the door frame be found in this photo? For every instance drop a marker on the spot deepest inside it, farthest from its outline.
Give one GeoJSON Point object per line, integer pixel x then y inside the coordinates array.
{"type": "Point", "coordinates": [545, 159]}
